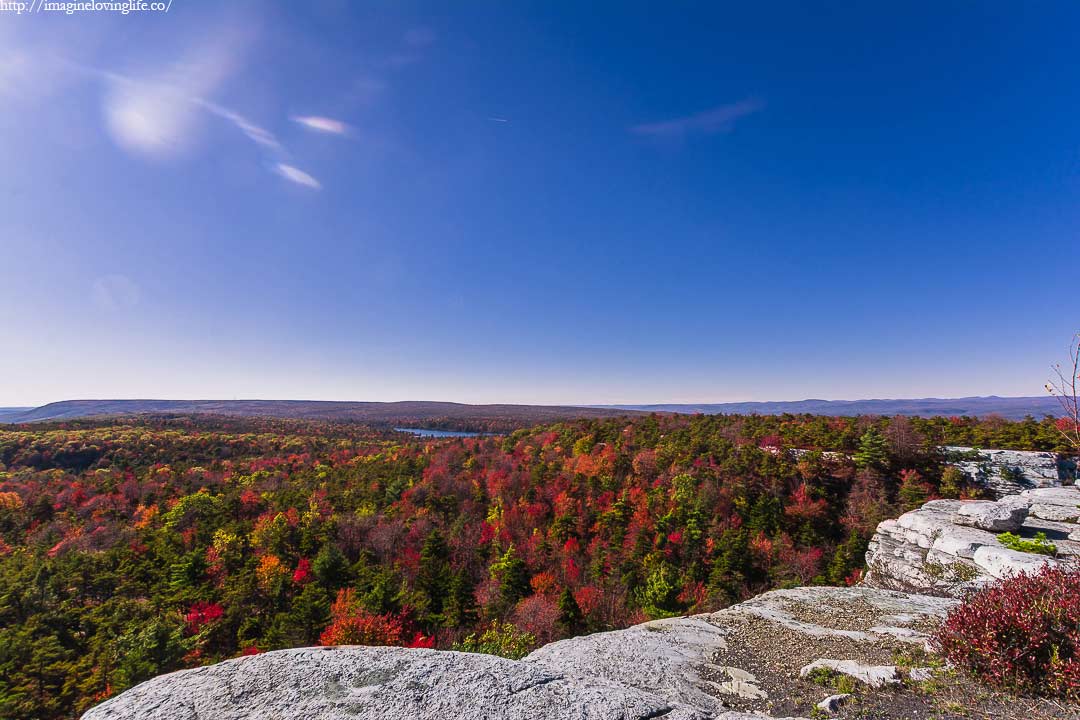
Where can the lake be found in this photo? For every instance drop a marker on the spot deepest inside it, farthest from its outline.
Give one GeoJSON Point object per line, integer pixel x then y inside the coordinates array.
{"type": "Point", "coordinates": [427, 432]}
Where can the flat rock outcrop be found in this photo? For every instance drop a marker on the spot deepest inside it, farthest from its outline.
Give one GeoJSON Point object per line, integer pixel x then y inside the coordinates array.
{"type": "Point", "coordinates": [948, 547]}
{"type": "Point", "coordinates": [377, 682]}
{"type": "Point", "coordinates": [728, 665]}
{"type": "Point", "coordinates": [1009, 472]}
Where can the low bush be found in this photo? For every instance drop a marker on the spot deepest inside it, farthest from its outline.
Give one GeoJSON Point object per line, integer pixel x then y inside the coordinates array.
{"type": "Point", "coordinates": [1038, 544]}
{"type": "Point", "coordinates": [1020, 634]}
{"type": "Point", "coordinates": [504, 640]}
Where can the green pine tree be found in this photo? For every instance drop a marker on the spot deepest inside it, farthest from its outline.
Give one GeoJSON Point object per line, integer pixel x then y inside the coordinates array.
{"type": "Point", "coordinates": [848, 557]}
{"type": "Point", "coordinates": [513, 576]}
{"type": "Point", "coordinates": [330, 568]}
{"type": "Point", "coordinates": [460, 607]}
{"type": "Point", "coordinates": [913, 491]}
{"type": "Point", "coordinates": [952, 481]}
{"type": "Point", "coordinates": [570, 617]}
{"type": "Point", "coordinates": [873, 450]}
{"type": "Point", "coordinates": [433, 576]}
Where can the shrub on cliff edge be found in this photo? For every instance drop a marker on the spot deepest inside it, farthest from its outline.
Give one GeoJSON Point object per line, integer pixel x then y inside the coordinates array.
{"type": "Point", "coordinates": [1020, 634]}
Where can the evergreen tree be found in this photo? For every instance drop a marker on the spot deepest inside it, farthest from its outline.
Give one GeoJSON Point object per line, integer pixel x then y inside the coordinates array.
{"type": "Point", "coordinates": [952, 482]}
{"type": "Point", "coordinates": [659, 597]}
{"type": "Point", "coordinates": [460, 606]}
{"type": "Point", "coordinates": [873, 450]}
{"type": "Point", "coordinates": [732, 566]}
{"type": "Point", "coordinates": [848, 557]}
{"type": "Point", "coordinates": [570, 617]}
{"type": "Point", "coordinates": [308, 615]}
{"type": "Point", "coordinates": [330, 568]}
{"type": "Point", "coordinates": [913, 491]}
{"type": "Point", "coordinates": [433, 576]}
{"type": "Point", "coordinates": [765, 514]}
{"type": "Point", "coordinates": [513, 577]}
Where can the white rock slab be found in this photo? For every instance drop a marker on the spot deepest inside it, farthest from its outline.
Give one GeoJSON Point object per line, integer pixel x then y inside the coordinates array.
{"type": "Point", "coordinates": [992, 516]}
{"type": "Point", "coordinates": [872, 675]}
{"type": "Point", "coordinates": [1001, 562]}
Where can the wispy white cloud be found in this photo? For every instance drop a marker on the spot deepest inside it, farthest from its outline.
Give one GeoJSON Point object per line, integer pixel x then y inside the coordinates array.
{"type": "Point", "coordinates": [158, 119]}
{"type": "Point", "coordinates": [715, 120]}
{"type": "Point", "coordinates": [153, 120]}
{"type": "Point", "coordinates": [322, 124]}
{"type": "Point", "coordinates": [156, 113]}
{"type": "Point", "coordinates": [296, 175]}
{"type": "Point", "coordinates": [258, 135]}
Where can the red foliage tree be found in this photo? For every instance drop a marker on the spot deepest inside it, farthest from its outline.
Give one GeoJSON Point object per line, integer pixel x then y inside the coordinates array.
{"type": "Point", "coordinates": [202, 614]}
{"type": "Point", "coordinates": [351, 624]}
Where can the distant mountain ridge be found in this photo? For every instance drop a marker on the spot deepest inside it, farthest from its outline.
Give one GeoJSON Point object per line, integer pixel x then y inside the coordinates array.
{"type": "Point", "coordinates": [379, 413]}
{"type": "Point", "coordinates": [9, 411]}
{"type": "Point", "coordinates": [1013, 408]}
{"type": "Point", "coordinates": [419, 412]}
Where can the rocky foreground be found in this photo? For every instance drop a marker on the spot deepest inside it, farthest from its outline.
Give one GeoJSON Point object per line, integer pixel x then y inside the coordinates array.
{"type": "Point", "coordinates": [764, 656]}
{"type": "Point", "coordinates": [723, 665]}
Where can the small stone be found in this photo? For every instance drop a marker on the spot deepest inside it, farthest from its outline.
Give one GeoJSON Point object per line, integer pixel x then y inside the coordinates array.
{"type": "Point", "coordinates": [996, 517]}
{"type": "Point", "coordinates": [833, 702]}
{"type": "Point", "coordinates": [873, 675]}
{"type": "Point", "coordinates": [920, 674]}
{"type": "Point", "coordinates": [741, 683]}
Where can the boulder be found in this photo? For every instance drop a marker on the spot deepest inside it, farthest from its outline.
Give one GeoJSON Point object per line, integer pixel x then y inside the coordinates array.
{"type": "Point", "coordinates": [662, 656]}
{"type": "Point", "coordinates": [992, 516]}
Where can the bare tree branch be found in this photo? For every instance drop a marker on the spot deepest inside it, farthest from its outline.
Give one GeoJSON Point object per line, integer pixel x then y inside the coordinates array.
{"type": "Point", "coordinates": [1066, 388]}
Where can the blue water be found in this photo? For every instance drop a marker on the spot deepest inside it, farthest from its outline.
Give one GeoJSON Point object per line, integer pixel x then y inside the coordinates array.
{"type": "Point", "coordinates": [426, 432]}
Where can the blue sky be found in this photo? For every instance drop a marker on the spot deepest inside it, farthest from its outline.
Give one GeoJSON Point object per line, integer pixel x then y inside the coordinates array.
{"type": "Point", "coordinates": [538, 202]}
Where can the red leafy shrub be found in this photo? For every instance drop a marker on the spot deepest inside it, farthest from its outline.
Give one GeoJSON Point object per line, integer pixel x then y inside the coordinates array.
{"type": "Point", "coordinates": [1021, 634]}
{"type": "Point", "coordinates": [353, 625]}
{"type": "Point", "coordinates": [537, 615]}
{"type": "Point", "coordinates": [302, 574]}
{"type": "Point", "coordinates": [202, 614]}
{"type": "Point", "coordinates": [419, 640]}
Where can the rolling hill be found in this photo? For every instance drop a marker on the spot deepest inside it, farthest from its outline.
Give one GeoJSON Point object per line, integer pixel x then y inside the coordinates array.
{"type": "Point", "coordinates": [460, 415]}
{"type": "Point", "coordinates": [1013, 408]}
{"type": "Point", "coordinates": [428, 414]}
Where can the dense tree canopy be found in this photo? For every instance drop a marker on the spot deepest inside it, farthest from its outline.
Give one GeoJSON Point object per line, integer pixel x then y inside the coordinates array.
{"type": "Point", "coordinates": [130, 548]}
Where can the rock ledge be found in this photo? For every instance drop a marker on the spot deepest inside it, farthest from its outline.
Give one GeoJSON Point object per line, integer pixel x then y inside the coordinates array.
{"type": "Point", "coordinates": [949, 547]}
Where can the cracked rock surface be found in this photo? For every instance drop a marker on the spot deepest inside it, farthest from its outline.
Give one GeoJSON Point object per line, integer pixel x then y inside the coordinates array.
{"type": "Point", "coordinates": [378, 682]}
{"type": "Point", "coordinates": [728, 665]}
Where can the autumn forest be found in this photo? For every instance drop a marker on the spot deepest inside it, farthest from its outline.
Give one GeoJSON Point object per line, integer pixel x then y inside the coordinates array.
{"type": "Point", "coordinates": [132, 547]}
